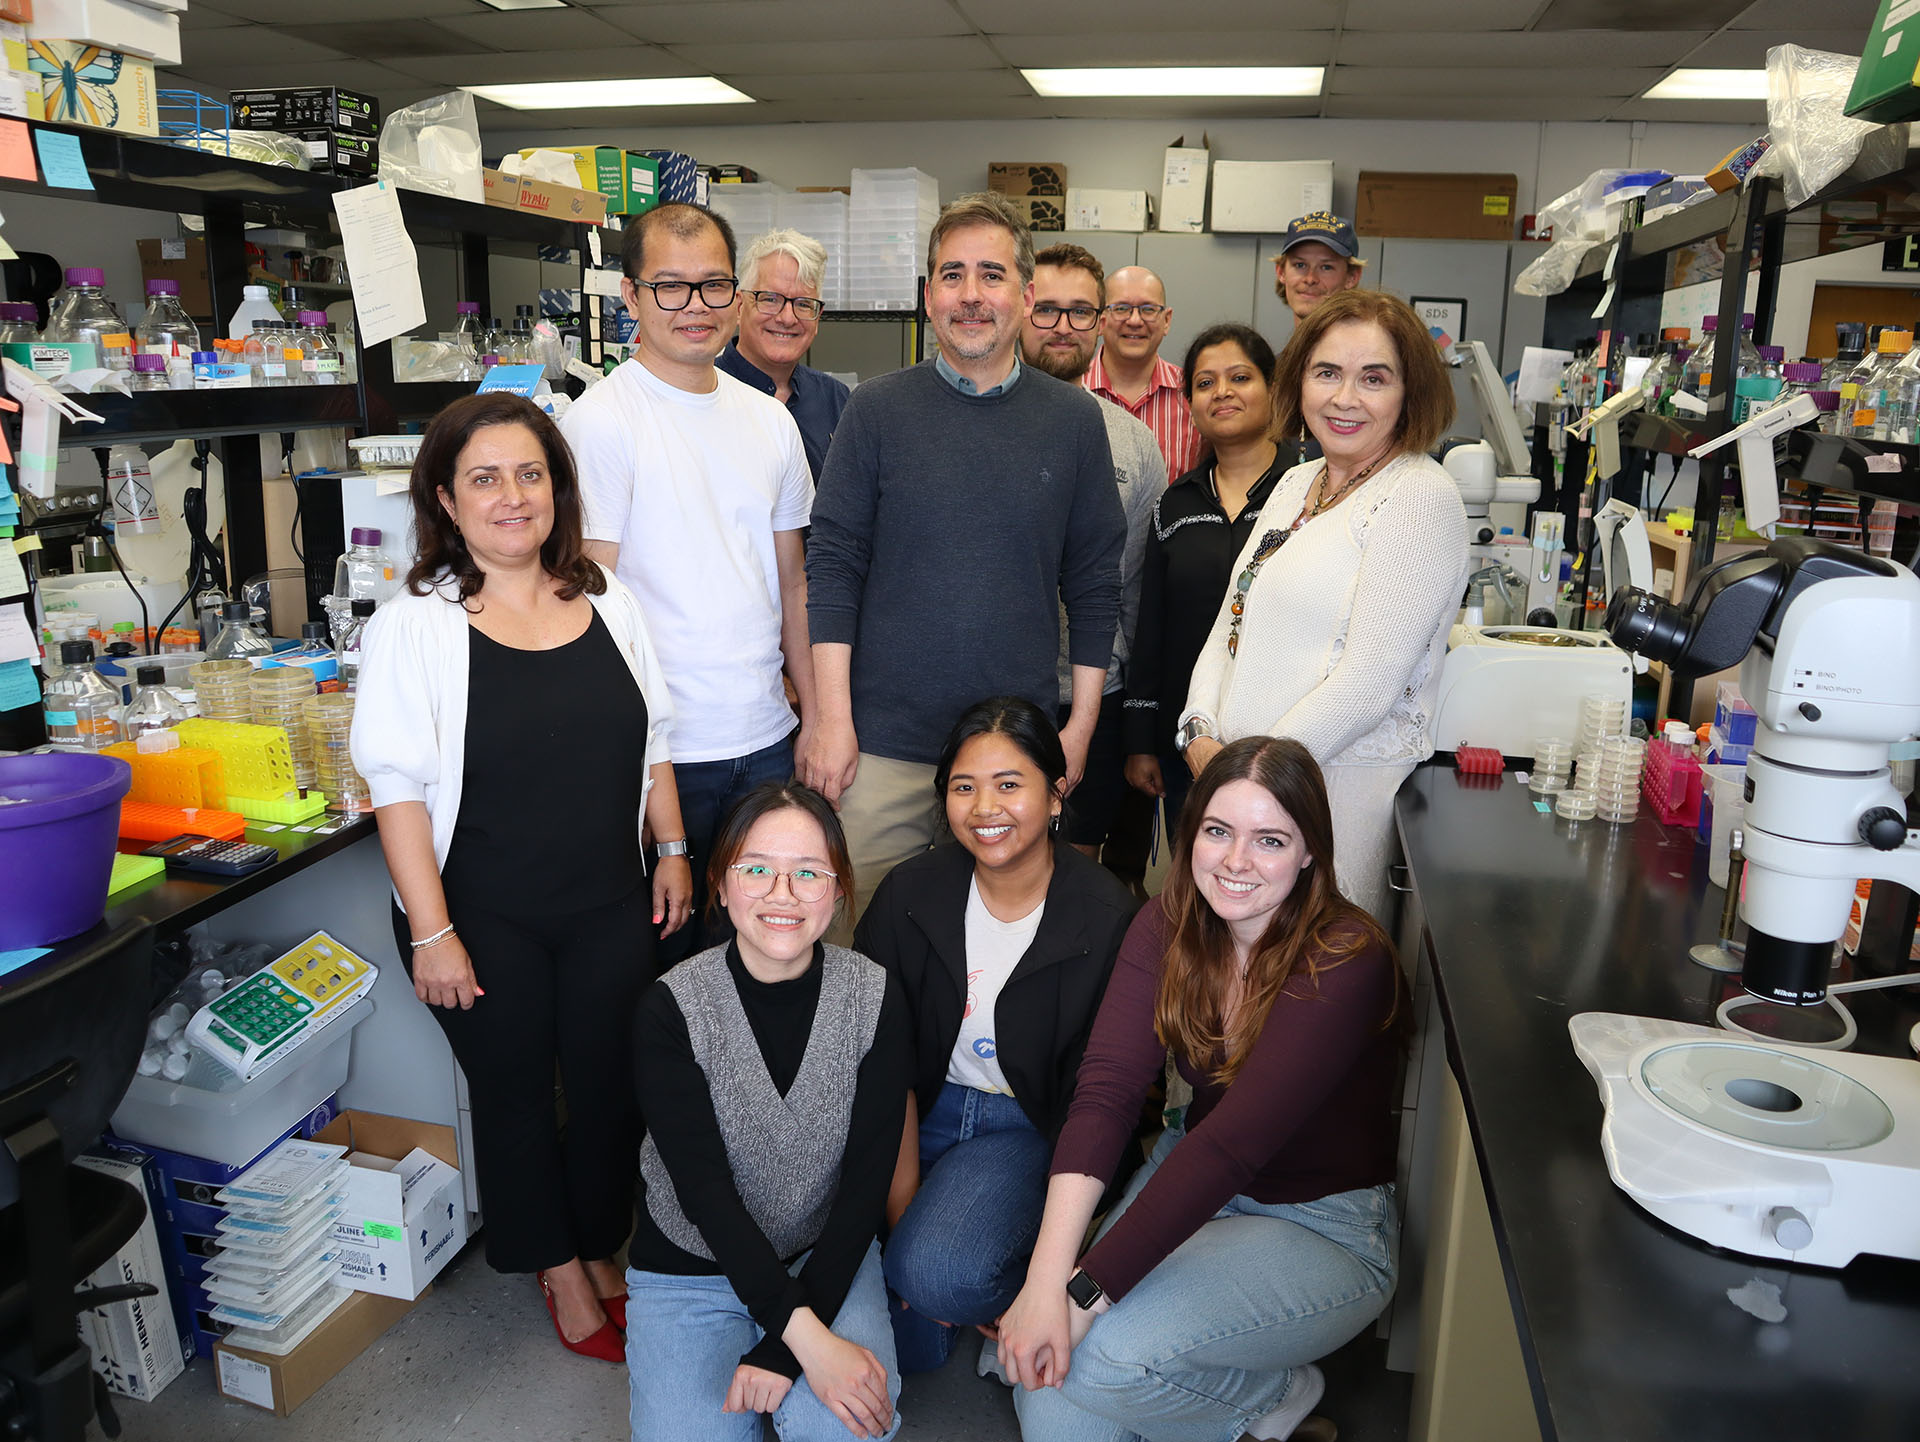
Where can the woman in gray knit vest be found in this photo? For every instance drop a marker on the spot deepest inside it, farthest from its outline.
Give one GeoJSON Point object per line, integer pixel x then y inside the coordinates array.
{"type": "Point", "coordinates": [773, 1074]}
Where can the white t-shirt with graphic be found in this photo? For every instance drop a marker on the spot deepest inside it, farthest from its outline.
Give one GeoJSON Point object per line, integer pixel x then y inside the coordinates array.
{"type": "Point", "coordinates": [994, 949]}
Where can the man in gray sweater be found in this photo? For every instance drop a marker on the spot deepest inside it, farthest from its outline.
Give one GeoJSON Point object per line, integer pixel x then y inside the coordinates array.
{"type": "Point", "coordinates": [964, 501]}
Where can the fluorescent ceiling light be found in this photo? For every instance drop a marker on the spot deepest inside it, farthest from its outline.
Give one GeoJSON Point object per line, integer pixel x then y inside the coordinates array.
{"type": "Point", "coordinates": [1711, 85]}
{"type": "Point", "coordinates": [526, 4]}
{"type": "Point", "coordinates": [607, 94]}
{"type": "Point", "coordinates": [1184, 80]}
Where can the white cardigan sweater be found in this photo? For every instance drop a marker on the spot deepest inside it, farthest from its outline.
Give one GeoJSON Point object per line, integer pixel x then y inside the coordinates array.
{"type": "Point", "coordinates": [1345, 626]}
{"type": "Point", "coordinates": [410, 722]}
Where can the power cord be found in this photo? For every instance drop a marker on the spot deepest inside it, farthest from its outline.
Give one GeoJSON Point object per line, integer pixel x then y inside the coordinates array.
{"type": "Point", "coordinates": [151, 641]}
{"type": "Point", "coordinates": [1849, 1029]}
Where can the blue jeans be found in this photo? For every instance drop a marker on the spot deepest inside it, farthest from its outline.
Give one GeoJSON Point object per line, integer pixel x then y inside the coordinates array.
{"type": "Point", "coordinates": [1215, 1336]}
{"type": "Point", "coordinates": [708, 791]}
{"type": "Point", "coordinates": [686, 1335]}
{"type": "Point", "coordinates": [959, 1255]}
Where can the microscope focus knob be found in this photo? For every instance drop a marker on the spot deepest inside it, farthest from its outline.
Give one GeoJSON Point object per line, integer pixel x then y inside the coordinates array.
{"type": "Point", "coordinates": [1790, 1229]}
{"type": "Point", "coordinates": [1883, 828]}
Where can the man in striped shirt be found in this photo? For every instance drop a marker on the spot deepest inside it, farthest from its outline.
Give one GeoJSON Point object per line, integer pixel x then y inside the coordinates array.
{"type": "Point", "coordinates": [1129, 372]}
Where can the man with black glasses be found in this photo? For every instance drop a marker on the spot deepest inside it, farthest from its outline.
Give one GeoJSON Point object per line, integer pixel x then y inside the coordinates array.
{"type": "Point", "coordinates": [1059, 337]}
{"type": "Point", "coordinates": [1130, 373]}
{"type": "Point", "coordinates": [780, 311]}
{"type": "Point", "coordinates": [696, 492]}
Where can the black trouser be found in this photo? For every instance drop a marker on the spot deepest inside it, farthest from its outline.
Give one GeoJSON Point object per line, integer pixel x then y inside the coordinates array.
{"type": "Point", "coordinates": [559, 990]}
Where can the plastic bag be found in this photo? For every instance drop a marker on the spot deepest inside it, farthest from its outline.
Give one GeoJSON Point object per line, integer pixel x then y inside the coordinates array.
{"type": "Point", "coordinates": [1813, 140]}
{"type": "Point", "coordinates": [552, 166]}
{"type": "Point", "coordinates": [263, 147]}
{"type": "Point", "coordinates": [1580, 220]}
{"type": "Point", "coordinates": [434, 146]}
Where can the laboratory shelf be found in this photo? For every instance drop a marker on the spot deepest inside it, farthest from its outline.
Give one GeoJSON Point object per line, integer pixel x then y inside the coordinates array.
{"type": "Point", "coordinates": [1668, 435]}
{"type": "Point", "coordinates": [176, 415]}
{"type": "Point", "coordinates": [1883, 470]}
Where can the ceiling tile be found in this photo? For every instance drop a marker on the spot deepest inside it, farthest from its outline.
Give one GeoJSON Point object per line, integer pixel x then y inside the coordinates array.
{"type": "Point", "coordinates": [1102, 17]}
{"type": "Point", "coordinates": [1387, 107]}
{"type": "Point", "coordinates": [535, 30]}
{"type": "Point", "coordinates": [1531, 84]}
{"type": "Point", "coordinates": [1425, 15]}
{"type": "Point", "coordinates": [383, 40]}
{"type": "Point", "coordinates": [1747, 113]}
{"type": "Point", "coordinates": [891, 84]}
{"type": "Point", "coordinates": [1747, 49]}
{"type": "Point", "coordinates": [296, 12]}
{"type": "Point", "coordinates": [825, 57]}
{"type": "Point", "coordinates": [199, 17]}
{"type": "Point", "coordinates": [1855, 15]}
{"type": "Point", "coordinates": [249, 45]}
{"type": "Point", "coordinates": [767, 20]}
{"type": "Point", "coordinates": [1569, 48]}
{"type": "Point", "coordinates": [1242, 47]}
{"type": "Point", "coordinates": [633, 62]}
{"type": "Point", "coordinates": [1637, 14]}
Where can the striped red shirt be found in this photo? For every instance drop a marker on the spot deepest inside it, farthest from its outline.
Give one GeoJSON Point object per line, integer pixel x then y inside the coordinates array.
{"type": "Point", "coordinates": [1163, 408]}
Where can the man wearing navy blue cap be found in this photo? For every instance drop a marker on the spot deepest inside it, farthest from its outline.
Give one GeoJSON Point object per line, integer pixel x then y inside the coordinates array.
{"type": "Point", "coordinates": [1320, 257]}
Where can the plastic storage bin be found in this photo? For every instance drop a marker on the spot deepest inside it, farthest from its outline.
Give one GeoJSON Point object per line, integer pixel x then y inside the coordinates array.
{"type": "Point", "coordinates": [58, 835]}
{"type": "Point", "coordinates": [233, 1127]}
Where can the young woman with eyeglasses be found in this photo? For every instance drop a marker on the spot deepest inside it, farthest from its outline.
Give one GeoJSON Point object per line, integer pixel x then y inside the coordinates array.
{"type": "Point", "coordinates": [772, 1072]}
{"type": "Point", "coordinates": [1001, 940]}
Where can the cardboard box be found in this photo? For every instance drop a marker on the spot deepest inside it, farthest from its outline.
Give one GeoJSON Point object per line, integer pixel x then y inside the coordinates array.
{"type": "Point", "coordinates": [1436, 206]}
{"type": "Point", "coordinates": [121, 25]}
{"type": "Point", "coordinates": [280, 1384]}
{"type": "Point", "coordinates": [308, 107]}
{"type": "Point", "coordinates": [643, 183]}
{"type": "Point", "coordinates": [1886, 87]}
{"type": "Point", "coordinates": [1264, 197]}
{"type": "Point", "coordinates": [629, 180]}
{"type": "Point", "coordinates": [1732, 172]}
{"type": "Point", "coordinates": [406, 1214]}
{"type": "Point", "coordinates": [498, 188]}
{"type": "Point", "coordinates": [679, 177]}
{"type": "Point", "coordinates": [562, 202]}
{"type": "Point", "coordinates": [18, 11]}
{"type": "Point", "coordinates": [183, 261]}
{"type": "Point", "coordinates": [1183, 186]}
{"type": "Point", "coordinates": [109, 90]}
{"type": "Point", "coordinates": [732, 175]}
{"type": "Point", "coordinates": [138, 1346]}
{"type": "Point", "coordinates": [1041, 212]}
{"type": "Point", "coordinates": [1028, 177]}
{"type": "Point", "coordinates": [1108, 210]}
{"type": "Point", "coordinates": [340, 153]}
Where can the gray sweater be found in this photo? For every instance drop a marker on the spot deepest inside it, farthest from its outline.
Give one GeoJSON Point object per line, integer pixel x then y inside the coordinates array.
{"type": "Point", "coordinates": [948, 530]}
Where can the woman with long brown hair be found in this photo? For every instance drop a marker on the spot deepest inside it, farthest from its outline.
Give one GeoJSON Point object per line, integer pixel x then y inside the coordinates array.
{"type": "Point", "coordinates": [1261, 1233]}
{"type": "Point", "coordinates": [512, 727]}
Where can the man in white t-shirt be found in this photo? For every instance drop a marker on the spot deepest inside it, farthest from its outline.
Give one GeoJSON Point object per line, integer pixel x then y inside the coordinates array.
{"type": "Point", "coordinates": [696, 492]}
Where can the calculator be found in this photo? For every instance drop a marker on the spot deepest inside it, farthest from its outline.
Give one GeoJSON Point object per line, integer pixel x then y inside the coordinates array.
{"type": "Point", "coordinates": [212, 857]}
{"type": "Point", "coordinates": [282, 1006]}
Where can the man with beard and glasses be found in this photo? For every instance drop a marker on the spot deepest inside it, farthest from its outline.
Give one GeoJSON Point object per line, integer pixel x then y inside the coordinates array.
{"type": "Point", "coordinates": [1059, 337]}
{"type": "Point", "coordinates": [964, 502]}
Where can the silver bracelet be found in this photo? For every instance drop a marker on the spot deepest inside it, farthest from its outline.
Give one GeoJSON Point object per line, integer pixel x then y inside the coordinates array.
{"type": "Point", "coordinates": [439, 936]}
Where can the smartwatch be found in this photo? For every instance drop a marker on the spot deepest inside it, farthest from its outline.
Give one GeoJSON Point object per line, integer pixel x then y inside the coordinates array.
{"type": "Point", "coordinates": [664, 849]}
{"type": "Point", "coordinates": [1195, 728]}
{"type": "Point", "coordinates": [1083, 1290]}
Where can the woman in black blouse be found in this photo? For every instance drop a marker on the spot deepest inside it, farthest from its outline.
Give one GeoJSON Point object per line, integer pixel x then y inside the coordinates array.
{"type": "Point", "coordinates": [1199, 527]}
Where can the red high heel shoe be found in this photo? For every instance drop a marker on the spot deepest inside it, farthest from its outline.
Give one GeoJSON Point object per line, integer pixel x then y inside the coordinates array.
{"type": "Point", "coordinates": [616, 1310]}
{"type": "Point", "coordinates": [606, 1344]}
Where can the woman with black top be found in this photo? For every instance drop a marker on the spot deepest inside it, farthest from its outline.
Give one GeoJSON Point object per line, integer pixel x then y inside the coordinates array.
{"type": "Point", "coordinates": [773, 1073]}
{"type": "Point", "coordinates": [1002, 941]}
{"type": "Point", "coordinates": [1199, 526]}
{"type": "Point", "coordinates": [512, 728]}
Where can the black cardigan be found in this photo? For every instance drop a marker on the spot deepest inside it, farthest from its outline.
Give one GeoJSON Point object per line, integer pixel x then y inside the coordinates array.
{"type": "Point", "coordinates": [916, 927]}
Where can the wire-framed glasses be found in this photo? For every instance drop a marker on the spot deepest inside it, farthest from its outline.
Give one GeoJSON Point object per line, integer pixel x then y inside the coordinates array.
{"type": "Point", "coordinates": [807, 883]}
{"type": "Point", "coordinates": [678, 294]}
{"type": "Point", "coordinates": [1146, 310]}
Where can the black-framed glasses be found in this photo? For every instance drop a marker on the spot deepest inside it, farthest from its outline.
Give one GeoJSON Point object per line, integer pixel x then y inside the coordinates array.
{"type": "Point", "coordinates": [807, 883]}
{"type": "Point", "coordinates": [770, 303]}
{"type": "Point", "coordinates": [1147, 311]}
{"type": "Point", "coordinates": [1047, 315]}
{"type": "Point", "coordinates": [678, 294]}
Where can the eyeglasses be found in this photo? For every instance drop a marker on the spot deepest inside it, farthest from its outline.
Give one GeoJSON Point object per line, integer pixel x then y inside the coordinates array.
{"type": "Point", "coordinates": [770, 303]}
{"type": "Point", "coordinates": [807, 883]}
{"type": "Point", "coordinates": [1147, 312]}
{"type": "Point", "coordinates": [1047, 315]}
{"type": "Point", "coordinates": [678, 294]}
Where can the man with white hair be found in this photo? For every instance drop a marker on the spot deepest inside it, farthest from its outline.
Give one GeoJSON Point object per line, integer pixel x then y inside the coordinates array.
{"type": "Point", "coordinates": [780, 310]}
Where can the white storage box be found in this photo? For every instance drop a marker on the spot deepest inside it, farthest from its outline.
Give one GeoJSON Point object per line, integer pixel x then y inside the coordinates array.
{"type": "Point", "coordinates": [1265, 196]}
{"type": "Point", "coordinates": [137, 1346]}
{"type": "Point", "coordinates": [1108, 209]}
{"type": "Point", "coordinates": [121, 25]}
{"type": "Point", "coordinates": [405, 1215]}
{"type": "Point", "coordinates": [1183, 187]}
{"type": "Point", "coordinates": [234, 1127]}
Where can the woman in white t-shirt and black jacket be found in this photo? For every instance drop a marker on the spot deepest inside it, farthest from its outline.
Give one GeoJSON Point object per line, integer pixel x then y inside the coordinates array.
{"type": "Point", "coordinates": [1001, 941]}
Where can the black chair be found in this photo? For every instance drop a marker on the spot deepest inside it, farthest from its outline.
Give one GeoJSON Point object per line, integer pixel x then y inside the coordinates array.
{"type": "Point", "coordinates": [70, 1039]}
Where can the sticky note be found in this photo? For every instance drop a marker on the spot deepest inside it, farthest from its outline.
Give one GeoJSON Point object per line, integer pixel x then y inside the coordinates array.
{"type": "Point", "coordinates": [60, 157]}
{"type": "Point", "coordinates": [14, 960]}
{"type": "Point", "coordinates": [16, 152]}
{"type": "Point", "coordinates": [25, 544]}
{"type": "Point", "coordinates": [18, 685]}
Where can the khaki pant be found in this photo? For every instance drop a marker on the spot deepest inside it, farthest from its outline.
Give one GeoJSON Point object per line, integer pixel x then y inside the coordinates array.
{"type": "Point", "coordinates": [889, 813]}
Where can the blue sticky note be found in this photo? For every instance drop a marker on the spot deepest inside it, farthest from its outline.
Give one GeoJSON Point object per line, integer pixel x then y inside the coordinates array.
{"type": "Point", "coordinates": [18, 685]}
{"type": "Point", "coordinates": [14, 960]}
{"type": "Point", "coordinates": [517, 380]}
{"type": "Point", "coordinates": [61, 160]}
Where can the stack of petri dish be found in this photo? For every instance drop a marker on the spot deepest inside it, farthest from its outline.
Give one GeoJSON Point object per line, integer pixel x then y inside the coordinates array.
{"type": "Point", "coordinates": [329, 726]}
{"type": "Point", "coordinates": [1552, 765]}
{"type": "Point", "coordinates": [278, 694]}
{"type": "Point", "coordinates": [222, 690]}
{"type": "Point", "coordinates": [1600, 716]}
{"type": "Point", "coordinates": [1576, 805]}
{"type": "Point", "coordinates": [1616, 781]}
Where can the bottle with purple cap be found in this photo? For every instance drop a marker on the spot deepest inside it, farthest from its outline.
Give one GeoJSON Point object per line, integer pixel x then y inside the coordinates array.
{"type": "Point", "coordinates": [85, 323]}
{"type": "Point", "coordinates": [363, 572]}
{"type": "Point", "coordinates": [167, 330]}
{"type": "Point", "coordinates": [150, 373]}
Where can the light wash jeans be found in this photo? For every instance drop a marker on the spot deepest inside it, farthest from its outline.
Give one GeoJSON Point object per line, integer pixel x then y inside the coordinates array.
{"type": "Point", "coordinates": [1213, 1337]}
{"type": "Point", "coordinates": [686, 1335]}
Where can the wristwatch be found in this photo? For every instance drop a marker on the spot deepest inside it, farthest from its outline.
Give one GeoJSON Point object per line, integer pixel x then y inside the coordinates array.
{"type": "Point", "coordinates": [664, 849]}
{"type": "Point", "coordinates": [1083, 1290]}
{"type": "Point", "coordinates": [1195, 728]}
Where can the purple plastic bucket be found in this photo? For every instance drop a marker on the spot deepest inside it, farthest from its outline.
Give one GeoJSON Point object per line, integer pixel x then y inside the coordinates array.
{"type": "Point", "coordinates": [59, 826]}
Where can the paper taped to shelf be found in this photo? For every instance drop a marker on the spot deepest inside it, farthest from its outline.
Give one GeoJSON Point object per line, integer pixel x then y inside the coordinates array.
{"type": "Point", "coordinates": [381, 263]}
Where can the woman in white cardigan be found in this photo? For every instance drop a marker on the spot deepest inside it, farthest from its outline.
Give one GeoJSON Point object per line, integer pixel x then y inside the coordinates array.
{"type": "Point", "coordinates": [1336, 620]}
{"type": "Point", "coordinates": [512, 726]}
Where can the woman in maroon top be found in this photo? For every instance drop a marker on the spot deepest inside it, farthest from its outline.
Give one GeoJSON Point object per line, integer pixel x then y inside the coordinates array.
{"type": "Point", "coordinates": [1261, 1234]}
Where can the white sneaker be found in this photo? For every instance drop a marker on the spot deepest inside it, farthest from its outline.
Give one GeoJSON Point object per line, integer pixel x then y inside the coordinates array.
{"type": "Point", "coordinates": [989, 1364]}
{"type": "Point", "coordinates": [1308, 1388]}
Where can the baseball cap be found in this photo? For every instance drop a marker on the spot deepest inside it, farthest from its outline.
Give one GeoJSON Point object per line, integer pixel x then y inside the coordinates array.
{"type": "Point", "coordinates": [1327, 228]}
